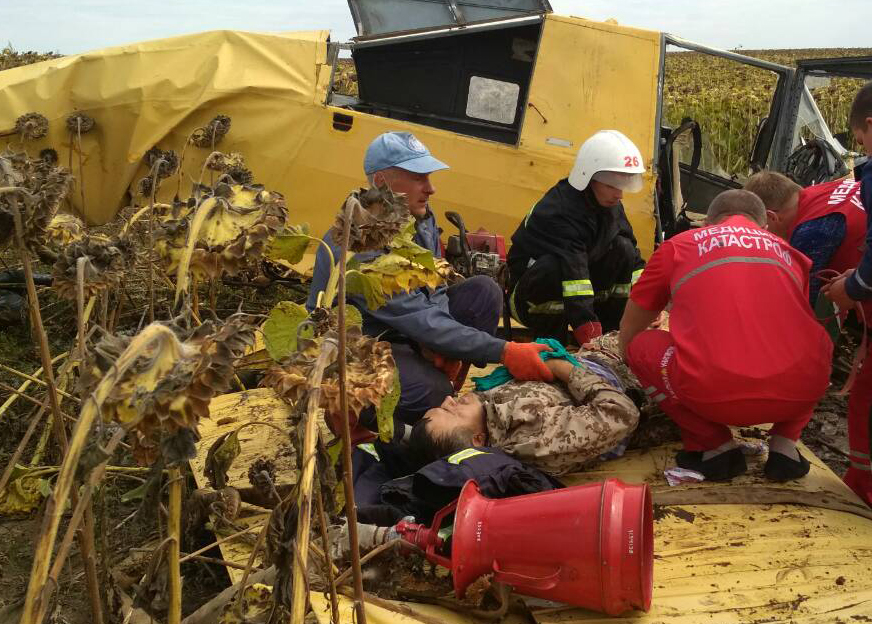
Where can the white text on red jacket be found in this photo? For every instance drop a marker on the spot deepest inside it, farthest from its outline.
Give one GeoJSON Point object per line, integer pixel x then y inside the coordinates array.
{"type": "Point", "coordinates": [847, 189]}
{"type": "Point", "coordinates": [741, 237]}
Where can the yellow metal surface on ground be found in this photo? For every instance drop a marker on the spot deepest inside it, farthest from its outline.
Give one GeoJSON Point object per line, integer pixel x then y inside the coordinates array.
{"type": "Point", "coordinates": [744, 551]}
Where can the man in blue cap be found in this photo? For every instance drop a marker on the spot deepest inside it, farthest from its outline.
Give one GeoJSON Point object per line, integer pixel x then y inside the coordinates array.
{"type": "Point", "coordinates": [427, 326]}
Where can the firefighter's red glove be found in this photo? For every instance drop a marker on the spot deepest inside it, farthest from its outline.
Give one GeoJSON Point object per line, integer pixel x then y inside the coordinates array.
{"type": "Point", "coordinates": [587, 332]}
{"type": "Point", "coordinates": [523, 361]}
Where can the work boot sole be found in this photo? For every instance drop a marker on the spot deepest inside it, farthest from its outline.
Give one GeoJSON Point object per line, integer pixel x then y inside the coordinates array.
{"type": "Point", "coordinates": [721, 467]}
{"type": "Point", "coordinates": [779, 467]}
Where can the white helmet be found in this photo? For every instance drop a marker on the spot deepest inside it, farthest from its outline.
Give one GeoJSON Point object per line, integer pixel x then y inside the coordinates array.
{"type": "Point", "coordinates": [611, 158]}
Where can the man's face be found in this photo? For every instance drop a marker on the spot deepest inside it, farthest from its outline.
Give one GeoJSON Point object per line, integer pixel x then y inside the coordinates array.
{"type": "Point", "coordinates": [779, 223]}
{"type": "Point", "coordinates": [863, 136]}
{"type": "Point", "coordinates": [607, 196]}
{"type": "Point", "coordinates": [465, 411]}
{"type": "Point", "coordinates": [416, 186]}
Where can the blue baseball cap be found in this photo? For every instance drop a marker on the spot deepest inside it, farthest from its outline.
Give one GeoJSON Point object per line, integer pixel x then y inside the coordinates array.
{"type": "Point", "coordinates": [399, 149]}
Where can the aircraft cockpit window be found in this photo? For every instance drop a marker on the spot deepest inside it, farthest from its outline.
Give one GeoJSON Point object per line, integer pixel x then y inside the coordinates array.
{"type": "Point", "coordinates": [473, 80]}
{"type": "Point", "coordinates": [492, 100]}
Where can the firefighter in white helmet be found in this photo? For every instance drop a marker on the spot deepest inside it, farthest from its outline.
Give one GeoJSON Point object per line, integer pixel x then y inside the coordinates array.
{"type": "Point", "coordinates": [574, 257]}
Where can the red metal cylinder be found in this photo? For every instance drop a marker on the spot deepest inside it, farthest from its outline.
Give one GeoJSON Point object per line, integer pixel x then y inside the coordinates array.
{"type": "Point", "coordinates": [589, 545]}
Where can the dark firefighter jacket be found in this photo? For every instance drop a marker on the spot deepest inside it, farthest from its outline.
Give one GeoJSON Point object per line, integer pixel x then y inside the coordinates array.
{"type": "Point", "coordinates": [572, 226]}
{"type": "Point", "coordinates": [438, 483]}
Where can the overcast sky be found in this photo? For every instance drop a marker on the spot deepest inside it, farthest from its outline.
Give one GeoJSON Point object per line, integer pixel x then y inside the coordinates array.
{"type": "Point", "coordinates": [71, 26]}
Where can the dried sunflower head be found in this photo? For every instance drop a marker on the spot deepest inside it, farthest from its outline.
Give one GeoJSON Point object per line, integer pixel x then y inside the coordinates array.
{"type": "Point", "coordinates": [239, 175]}
{"type": "Point", "coordinates": [377, 216]}
{"type": "Point", "coordinates": [49, 156]}
{"type": "Point", "coordinates": [370, 373]}
{"type": "Point", "coordinates": [43, 186]}
{"type": "Point", "coordinates": [211, 134]}
{"type": "Point", "coordinates": [169, 161]}
{"type": "Point", "coordinates": [80, 123]}
{"type": "Point", "coordinates": [106, 263]}
{"type": "Point", "coordinates": [163, 395]}
{"type": "Point", "coordinates": [31, 126]}
{"type": "Point", "coordinates": [147, 185]}
{"type": "Point", "coordinates": [219, 161]}
{"type": "Point", "coordinates": [240, 221]}
{"type": "Point", "coordinates": [63, 230]}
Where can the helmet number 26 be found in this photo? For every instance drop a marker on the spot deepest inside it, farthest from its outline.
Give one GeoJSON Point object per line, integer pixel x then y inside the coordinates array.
{"type": "Point", "coordinates": [631, 161]}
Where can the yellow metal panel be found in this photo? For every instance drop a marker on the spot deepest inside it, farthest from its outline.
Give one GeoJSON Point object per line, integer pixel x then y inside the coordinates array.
{"type": "Point", "coordinates": [743, 551]}
{"type": "Point", "coordinates": [592, 76]}
{"type": "Point", "coordinates": [378, 615]}
{"type": "Point", "coordinates": [728, 564]}
{"type": "Point", "coordinates": [228, 413]}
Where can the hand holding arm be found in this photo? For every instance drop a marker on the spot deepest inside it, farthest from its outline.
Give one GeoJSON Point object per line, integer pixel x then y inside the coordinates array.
{"type": "Point", "coordinates": [561, 369]}
{"type": "Point", "coordinates": [835, 291]}
{"type": "Point", "coordinates": [523, 361]}
{"type": "Point", "coordinates": [635, 320]}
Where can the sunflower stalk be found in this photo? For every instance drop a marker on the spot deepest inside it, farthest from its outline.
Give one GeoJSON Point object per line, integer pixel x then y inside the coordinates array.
{"type": "Point", "coordinates": [35, 603]}
{"type": "Point", "coordinates": [151, 259]}
{"type": "Point", "coordinates": [304, 497]}
{"type": "Point", "coordinates": [174, 529]}
{"type": "Point", "coordinates": [328, 559]}
{"type": "Point", "coordinates": [35, 419]}
{"type": "Point", "coordinates": [350, 507]}
{"type": "Point", "coordinates": [86, 537]}
{"type": "Point", "coordinates": [24, 386]}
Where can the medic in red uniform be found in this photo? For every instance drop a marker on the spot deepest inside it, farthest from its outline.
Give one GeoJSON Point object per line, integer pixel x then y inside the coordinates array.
{"type": "Point", "coordinates": [744, 347]}
{"type": "Point", "coordinates": [828, 222]}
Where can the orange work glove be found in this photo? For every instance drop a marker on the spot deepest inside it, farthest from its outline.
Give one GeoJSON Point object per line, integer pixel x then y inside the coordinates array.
{"type": "Point", "coordinates": [587, 332]}
{"type": "Point", "coordinates": [523, 361]}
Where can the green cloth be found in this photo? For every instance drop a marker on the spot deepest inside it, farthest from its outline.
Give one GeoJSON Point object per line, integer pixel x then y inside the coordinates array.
{"type": "Point", "coordinates": [502, 375]}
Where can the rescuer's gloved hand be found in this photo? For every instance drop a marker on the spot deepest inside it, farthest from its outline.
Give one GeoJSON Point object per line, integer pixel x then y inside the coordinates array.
{"type": "Point", "coordinates": [523, 361]}
{"type": "Point", "coordinates": [368, 537]}
{"type": "Point", "coordinates": [587, 332]}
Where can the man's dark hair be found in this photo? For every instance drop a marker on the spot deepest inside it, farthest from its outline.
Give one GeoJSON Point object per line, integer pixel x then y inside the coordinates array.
{"type": "Point", "coordinates": [861, 109]}
{"type": "Point", "coordinates": [426, 447]}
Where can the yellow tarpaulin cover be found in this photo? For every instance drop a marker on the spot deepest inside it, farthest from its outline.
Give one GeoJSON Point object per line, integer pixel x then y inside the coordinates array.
{"type": "Point", "coordinates": [724, 553]}
{"type": "Point", "coordinates": [158, 92]}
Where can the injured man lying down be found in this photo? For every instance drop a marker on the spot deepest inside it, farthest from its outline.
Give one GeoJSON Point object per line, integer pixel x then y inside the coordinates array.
{"type": "Point", "coordinates": [512, 437]}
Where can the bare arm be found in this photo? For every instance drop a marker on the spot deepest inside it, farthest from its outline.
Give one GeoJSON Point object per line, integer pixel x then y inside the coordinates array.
{"type": "Point", "coordinates": [635, 320]}
{"type": "Point", "coordinates": [560, 369]}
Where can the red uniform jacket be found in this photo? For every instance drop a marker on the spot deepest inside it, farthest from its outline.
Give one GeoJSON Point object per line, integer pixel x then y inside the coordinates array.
{"type": "Point", "coordinates": [842, 197]}
{"type": "Point", "coordinates": [740, 317]}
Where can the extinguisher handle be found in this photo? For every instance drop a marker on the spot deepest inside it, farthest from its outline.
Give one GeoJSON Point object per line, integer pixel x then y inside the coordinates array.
{"type": "Point", "coordinates": [437, 522]}
{"type": "Point", "coordinates": [533, 582]}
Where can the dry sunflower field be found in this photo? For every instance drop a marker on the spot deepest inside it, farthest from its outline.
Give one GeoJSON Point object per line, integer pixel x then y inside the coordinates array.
{"type": "Point", "coordinates": [118, 338]}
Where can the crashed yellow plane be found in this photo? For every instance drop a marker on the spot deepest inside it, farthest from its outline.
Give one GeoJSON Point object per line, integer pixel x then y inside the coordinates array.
{"type": "Point", "coordinates": [505, 92]}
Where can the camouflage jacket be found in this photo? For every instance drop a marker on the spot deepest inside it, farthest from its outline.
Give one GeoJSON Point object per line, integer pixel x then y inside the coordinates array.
{"type": "Point", "coordinates": [556, 427]}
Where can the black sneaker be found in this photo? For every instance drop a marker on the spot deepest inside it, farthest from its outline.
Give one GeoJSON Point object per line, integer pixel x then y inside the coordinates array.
{"type": "Point", "coordinates": [779, 467]}
{"type": "Point", "coordinates": [721, 467]}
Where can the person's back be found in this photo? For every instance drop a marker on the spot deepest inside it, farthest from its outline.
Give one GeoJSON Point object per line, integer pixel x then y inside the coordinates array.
{"type": "Point", "coordinates": [742, 348]}
{"type": "Point", "coordinates": [740, 315]}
